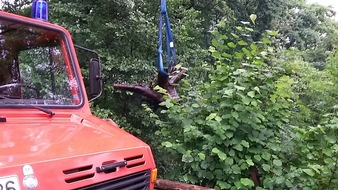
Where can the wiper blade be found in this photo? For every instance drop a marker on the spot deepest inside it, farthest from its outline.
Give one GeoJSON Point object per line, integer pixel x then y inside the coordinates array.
{"type": "Point", "coordinates": [47, 111]}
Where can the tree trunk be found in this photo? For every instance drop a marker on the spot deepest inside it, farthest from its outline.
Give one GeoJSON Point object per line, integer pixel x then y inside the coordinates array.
{"type": "Point", "coordinates": [163, 184]}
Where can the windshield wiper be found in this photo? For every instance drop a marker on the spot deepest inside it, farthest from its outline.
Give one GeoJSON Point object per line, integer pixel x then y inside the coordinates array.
{"type": "Point", "coordinates": [47, 111]}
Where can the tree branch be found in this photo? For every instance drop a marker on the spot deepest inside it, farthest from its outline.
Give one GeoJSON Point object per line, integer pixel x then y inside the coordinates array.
{"type": "Point", "coordinates": [141, 89]}
{"type": "Point", "coordinates": [168, 83]}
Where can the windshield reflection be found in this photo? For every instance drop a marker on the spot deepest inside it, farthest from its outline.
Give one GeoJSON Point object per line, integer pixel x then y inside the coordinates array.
{"type": "Point", "coordinates": [34, 68]}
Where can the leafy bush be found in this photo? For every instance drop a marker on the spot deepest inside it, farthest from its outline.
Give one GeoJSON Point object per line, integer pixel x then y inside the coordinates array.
{"type": "Point", "coordinates": [239, 128]}
{"type": "Point", "coordinates": [233, 124]}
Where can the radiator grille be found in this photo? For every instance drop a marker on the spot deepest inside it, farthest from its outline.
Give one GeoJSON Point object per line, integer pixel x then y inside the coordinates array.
{"type": "Point", "coordinates": [78, 174]}
{"type": "Point", "coordinates": [135, 161]}
{"type": "Point", "coordinates": [137, 181]}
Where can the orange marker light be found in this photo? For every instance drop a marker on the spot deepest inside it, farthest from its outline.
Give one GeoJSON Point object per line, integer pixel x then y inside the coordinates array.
{"type": "Point", "coordinates": [153, 175]}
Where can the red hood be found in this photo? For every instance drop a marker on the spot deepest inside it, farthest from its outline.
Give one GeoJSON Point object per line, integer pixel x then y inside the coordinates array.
{"type": "Point", "coordinates": [28, 139]}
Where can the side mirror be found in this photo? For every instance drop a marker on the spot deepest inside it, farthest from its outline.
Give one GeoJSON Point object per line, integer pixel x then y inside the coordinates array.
{"type": "Point", "coordinates": [95, 78]}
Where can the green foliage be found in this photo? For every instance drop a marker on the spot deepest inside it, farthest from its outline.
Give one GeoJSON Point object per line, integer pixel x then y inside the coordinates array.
{"type": "Point", "coordinates": [234, 121]}
{"type": "Point", "coordinates": [314, 160]}
{"type": "Point", "coordinates": [240, 118]}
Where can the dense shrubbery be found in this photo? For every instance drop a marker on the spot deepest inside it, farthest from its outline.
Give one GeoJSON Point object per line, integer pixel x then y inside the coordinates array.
{"type": "Point", "coordinates": [246, 118]}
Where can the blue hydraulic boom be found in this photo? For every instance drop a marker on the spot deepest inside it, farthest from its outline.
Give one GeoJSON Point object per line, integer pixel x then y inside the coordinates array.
{"type": "Point", "coordinates": [169, 74]}
{"type": "Point", "coordinates": [172, 60]}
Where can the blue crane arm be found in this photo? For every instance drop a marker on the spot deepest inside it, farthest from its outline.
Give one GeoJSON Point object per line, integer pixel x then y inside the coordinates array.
{"type": "Point", "coordinates": [169, 41]}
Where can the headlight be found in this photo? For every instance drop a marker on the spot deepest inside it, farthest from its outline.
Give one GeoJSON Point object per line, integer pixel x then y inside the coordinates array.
{"type": "Point", "coordinates": [30, 182]}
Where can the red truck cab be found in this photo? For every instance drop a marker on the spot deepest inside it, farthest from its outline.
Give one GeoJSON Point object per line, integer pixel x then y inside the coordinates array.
{"type": "Point", "coordinates": [49, 138]}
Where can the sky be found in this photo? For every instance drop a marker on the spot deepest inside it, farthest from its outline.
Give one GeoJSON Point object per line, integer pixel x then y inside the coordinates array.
{"type": "Point", "coordinates": [333, 3]}
{"type": "Point", "coordinates": [325, 2]}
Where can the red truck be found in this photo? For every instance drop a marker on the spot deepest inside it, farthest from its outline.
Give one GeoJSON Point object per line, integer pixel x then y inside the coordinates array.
{"type": "Point", "coordinates": [49, 138]}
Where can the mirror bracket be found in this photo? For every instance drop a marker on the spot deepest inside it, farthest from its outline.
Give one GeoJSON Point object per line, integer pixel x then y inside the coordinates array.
{"type": "Point", "coordinates": [95, 76]}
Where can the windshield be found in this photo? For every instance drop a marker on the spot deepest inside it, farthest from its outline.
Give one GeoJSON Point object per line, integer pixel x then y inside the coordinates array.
{"type": "Point", "coordinates": [35, 67]}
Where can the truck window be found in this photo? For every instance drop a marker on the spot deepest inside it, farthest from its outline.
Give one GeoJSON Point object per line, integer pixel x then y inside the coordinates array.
{"type": "Point", "coordinates": [35, 67]}
{"type": "Point", "coordinates": [44, 68]}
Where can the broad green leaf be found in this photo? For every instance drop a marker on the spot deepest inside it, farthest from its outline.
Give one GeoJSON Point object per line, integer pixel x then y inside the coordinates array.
{"type": "Point", "coordinates": [249, 29]}
{"type": "Point", "coordinates": [222, 155]}
{"type": "Point", "coordinates": [229, 134]}
{"type": "Point", "coordinates": [201, 155]}
{"type": "Point", "coordinates": [266, 167]}
{"type": "Point", "coordinates": [327, 152]}
{"type": "Point", "coordinates": [330, 139]}
{"type": "Point", "coordinates": [231, 153]}
{"type": "Point", "coordinates": [229, 161]}
{"type": "Point", "coordinates": [235, 35]}
{"type": "Point", "coordinates": [161, 90]}
{"type": "Point", "coordinates": [247, 52]}
{"type": "Point", "coordinates": [251, 94]}
{"type": "Point", "coordinates": [212, 49]}
{"type": "Point", "coordinates": [167, 144]}
{"type": "Point", "coordinates": [224, 37]}
{"type": "Point", "coordinates": [245, 143]}
{"type": "Point", "coordinates": [247, 182]}
{"type": "Point", "coordinates": [254, 103]}
{"type": "Point", "coordinates": [275, 147]}
{"type": "Point", "coordinates": [253, 47]}
{"type": "Point", "coordinates": [257, 89]}
{"type": "Point", "coordinates": [242, 43]}
{"type": "Point", "coordinates": [238, 147]}
{"type": "Point", "coordinates": [266, 156]}
{"type": "Point", "coordinates": [216, 43]}
{"type": "Point", "coordinates": [280, 180]}
{"type": "Point", "coordinates": [216, 54]}
{"type": "Point", "coordinates": [238, 185]}
{"type": "Point", "coordinates": [215, 150]}
{"type": "Point", "coordinates": [246, 100]}
{"type": "Point", "coordinates": [236, 169]}
{"type": "Point", "coordinates": [215, 33]}
{"type": "Point", "coordinates": [315, 168]}
{"type": "Point", "coordinates": [226, 55]}
{"type": "Point", "coordinates": [277, 163]}
{"type": "Point", "coordinates": [153, 115]}
{"type": "Point", "coordinates": [239, 88]}
{"type": "Point", "coordinates": [264, 53]}
{"type": "Point", "coordinates": [232, 45]}
{"type": "Point", "coordinates": [328, 161]}
{"type": "Point", "coordinates": [253, 18]}
{"type": "Point", "coordinates": [310, 156]}
{"type": "Point", "coordinates": [239, 55]}
{"type": "Point", "coordinates": [257, 157]}
{"type": "Point", "coordinates": [221, 24]}
{"type": "Point", "coordinates": [265, 40]}
{"type": "Point", "coordinates": [228, 92]}
{"type": "Point", "coordinates": [239, 28]}
{"type": "Point", "coordinates": [205, 164]}
{"type": "Point", "coordinates": [187, 158]}
{"type": "Point", "coordinates": [223, 185]}
{"type": "Point", "coordinates": [250, 162]}
{"type": "Point", "coordinates": [218, 118]}
{"type": "Point", "coordinates": [235, 114]}
{"type": "Point", "coordinates": [272, 33]}
{"type": "Point", "coordinates": [195, 105]}
{"type": "Point", "coordinates": [211, 116]}
{"type": "Point", "coordinates": [309, 172]}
